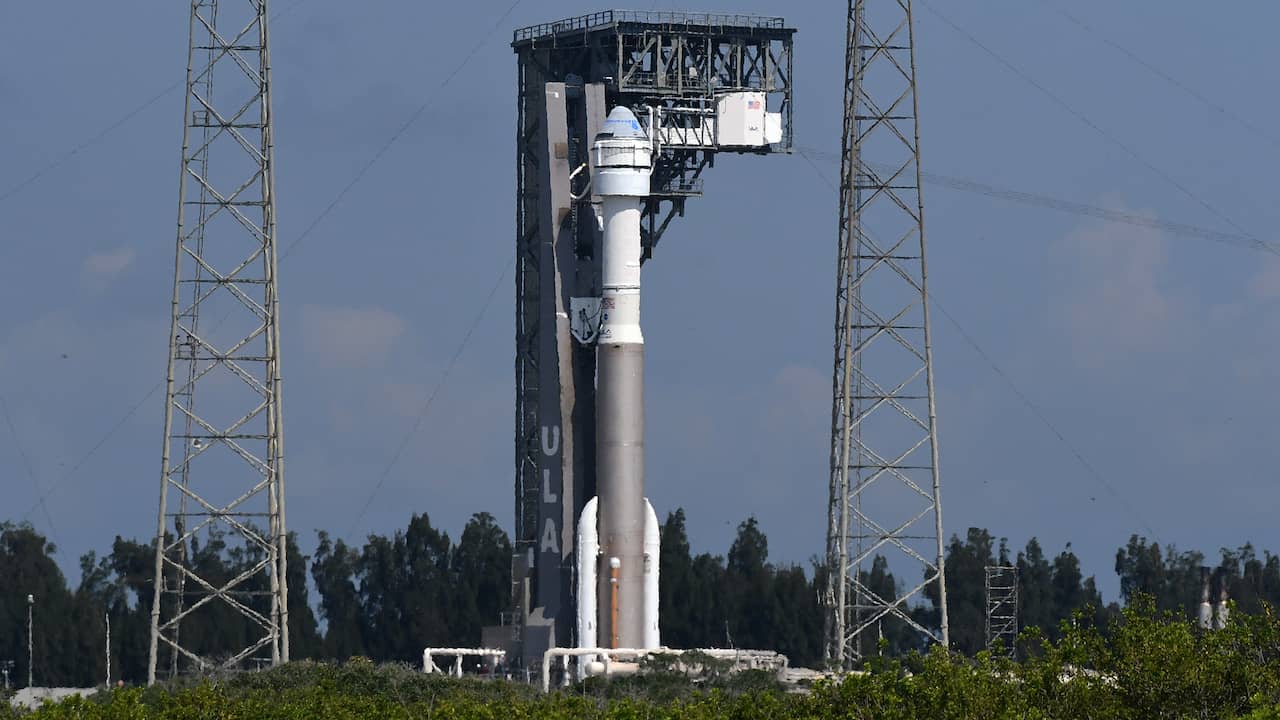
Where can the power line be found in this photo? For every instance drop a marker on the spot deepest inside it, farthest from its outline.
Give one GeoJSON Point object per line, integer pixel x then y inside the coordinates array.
{"type": "Point", "coordinates": [1064, 105]}
{"type": "Point", "coordinates": [1023, 397]}
{"type": "Point", "coordinates": [426, 406]}
{"type": "Point", "coordinates": [1067, 206]}
{"type": "Point", "coordinates": [395, 137]}
{"type": "Point", "coordinates": [26, 464]}
{"type": "Point", "coordinates": [93, 450]}
{"type": "Point", "coordinates": [1044, 419]}
{"type": "Point", "coordinates": [307, 231]}
{"type": "Point", "coordinates": [1216, 107]}
{"type": "Point", "coordinates": [67, 155]}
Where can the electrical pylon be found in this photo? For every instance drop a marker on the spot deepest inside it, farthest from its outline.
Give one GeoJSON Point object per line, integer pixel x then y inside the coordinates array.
{"type": "Point", "coordinates": [884, 495]}
{"type": "Point", "coordinates": [222, 483]}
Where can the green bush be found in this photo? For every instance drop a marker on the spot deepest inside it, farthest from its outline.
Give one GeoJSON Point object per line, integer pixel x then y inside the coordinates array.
{"type": "Point", "coordinates": [1145, 665]}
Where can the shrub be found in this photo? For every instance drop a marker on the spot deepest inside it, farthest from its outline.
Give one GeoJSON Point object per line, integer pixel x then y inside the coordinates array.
{"type": "Point", "coordinates": [1145, 665]}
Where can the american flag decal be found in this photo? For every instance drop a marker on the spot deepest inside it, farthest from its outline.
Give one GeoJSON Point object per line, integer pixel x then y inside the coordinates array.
{"type": "Point", "coordinates": [753, 104]}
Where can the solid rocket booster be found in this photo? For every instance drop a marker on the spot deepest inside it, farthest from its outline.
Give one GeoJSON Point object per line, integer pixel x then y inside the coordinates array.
{"type": "Point", "coordinates": [1206, 610]}
{"type": "Point", "coordinates": [624, 569]}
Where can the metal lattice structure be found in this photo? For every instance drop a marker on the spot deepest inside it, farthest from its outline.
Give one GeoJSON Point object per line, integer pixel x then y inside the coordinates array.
{"type": "Point", "coordinates": [884, 493]}
{"type": "Point", "coordinates": [1002, 608]}
{"type": "Point", "coordinates": [668, 66]}
{"type": "Point", "coordinates": [222, 484]}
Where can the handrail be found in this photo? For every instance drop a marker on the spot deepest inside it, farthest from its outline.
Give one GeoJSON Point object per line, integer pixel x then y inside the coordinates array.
{"type": "Point", "coordinates": [610, 17]}
{"type": "Point", "coordinates": [429, 666]}
{"type": "Point", "coordinates": [749, 658]}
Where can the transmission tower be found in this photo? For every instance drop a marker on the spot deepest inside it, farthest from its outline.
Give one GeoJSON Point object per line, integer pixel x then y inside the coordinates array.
{"type": "Point", "coordinates": [1002, 607]}
{"type": "Point", "coordinates": [222, 483]}
{"type": "Point", "coordinates": [884, 497]}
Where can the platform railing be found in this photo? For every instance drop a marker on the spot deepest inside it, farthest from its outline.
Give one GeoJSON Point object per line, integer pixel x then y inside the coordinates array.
{"type": "Point", "coordinates": [609, 658]}
{"type": "Point", "coordinates": [654, 17]}
{"type": "Point", "coordinates": [430, 654]}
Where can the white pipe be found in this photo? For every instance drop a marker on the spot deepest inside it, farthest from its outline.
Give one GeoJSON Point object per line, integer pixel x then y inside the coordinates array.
{"type": "Point", "coordinates": [588, 557]}
{"type": "Point", "coordinates": [428, 657]}
{"type": "Point", "coordinates": [652, 535]}
{"type": "Point", "coordinates": [585, 191]}
{"type": "Point", "coordinates": [751, 658]}
{"type": "Point", "coordinates": [606, 654]}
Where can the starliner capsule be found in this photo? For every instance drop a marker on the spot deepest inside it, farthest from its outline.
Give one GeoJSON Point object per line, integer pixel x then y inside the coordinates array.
{"type": "Point", "coordinates": [618, 531]}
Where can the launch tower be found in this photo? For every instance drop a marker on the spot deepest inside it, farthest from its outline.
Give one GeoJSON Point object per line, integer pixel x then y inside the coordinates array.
{"type": "Point", "coordinates": [698, 84]}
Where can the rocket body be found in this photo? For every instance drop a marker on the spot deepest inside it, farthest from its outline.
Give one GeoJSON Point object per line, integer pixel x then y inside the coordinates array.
{"type": "Point", "coordinates": [624, 570]}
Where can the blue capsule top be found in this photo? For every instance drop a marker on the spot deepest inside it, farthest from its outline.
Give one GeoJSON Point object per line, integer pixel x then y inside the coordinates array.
{"type": "Point", "coordinates": [622, 123]}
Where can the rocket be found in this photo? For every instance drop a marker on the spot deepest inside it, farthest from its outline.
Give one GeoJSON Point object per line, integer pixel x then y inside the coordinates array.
{"type": "Point", "coordinates": [617, 554]}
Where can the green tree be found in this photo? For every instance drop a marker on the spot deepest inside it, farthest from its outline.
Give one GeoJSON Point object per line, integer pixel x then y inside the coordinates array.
{"type": "Point", "coordinates": [708, 615]}
{"type": "Point", "coordinates": [333, 567]}
{"type": "Point", "coordinates": [28, 568]}
{"type": "Point", "coordinates": [131, 565]}
{"type": "Point", "coordinates": [966, 589]}
{"type": "Point", "coordinates": [304, 632]}
{"type": "Point", "coordinates": [797, 617]}
{"type": "Point", "coordinates": [1035, 589]}
{"type": "Point", "coordinates": [1171, 578]}
{"type": "Point", "coordinates": [424, 586]}
{"type": "Point", "coordinates": [748, 579]}
{"type": "Point", "coordinates": [404, 588]}
{"type": "Point", "coordinates": [1252, 582]}
{"type": "Point", "coordinates": [676, 583]}
{"type": "Point", "coordinates": [481, 578]}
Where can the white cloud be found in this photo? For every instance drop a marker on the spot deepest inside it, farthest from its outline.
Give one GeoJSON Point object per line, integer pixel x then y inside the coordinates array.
{"type": "Point", "coordinates": [799, 399]}
{"type": "Point", "coordinates": [336, 337]}
{"type": "Point", "coordinates": [1265, 284]}
{"type": "Point", "coordinates": [102, 267]}
{"type": "Point", "coordinates": [1112, 301]}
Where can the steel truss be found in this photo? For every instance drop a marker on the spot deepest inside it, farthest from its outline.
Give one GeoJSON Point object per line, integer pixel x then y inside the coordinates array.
{"type": "Point", "coordinates": [884, 494]}
{"type": "Point", "coordinates": [222, 477]}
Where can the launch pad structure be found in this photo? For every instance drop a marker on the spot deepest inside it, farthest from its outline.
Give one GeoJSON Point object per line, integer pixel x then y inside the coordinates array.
{"type": "Point", "coordinates": [619, 114]}
{"type": "Point", "coordinates": [700, 84]}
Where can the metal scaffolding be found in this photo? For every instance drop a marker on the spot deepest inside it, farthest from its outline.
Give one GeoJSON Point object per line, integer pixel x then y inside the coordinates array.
{"type": "Point", "coordinates": [222, 476]}
{"type": "Point", "coordinates": [884, 494]}
{"type": "Point", "coordinates": [1002, 608]}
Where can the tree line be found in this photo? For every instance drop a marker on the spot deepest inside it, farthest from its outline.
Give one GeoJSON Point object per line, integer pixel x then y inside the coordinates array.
{"type": "Point", "coordinates": [391, 596]}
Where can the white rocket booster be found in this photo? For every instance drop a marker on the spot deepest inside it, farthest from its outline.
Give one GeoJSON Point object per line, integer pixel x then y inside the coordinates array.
{"type": "Point", "coordinates": [618, 531]}
{"type": "Point", "coordinates": [1205, 610]}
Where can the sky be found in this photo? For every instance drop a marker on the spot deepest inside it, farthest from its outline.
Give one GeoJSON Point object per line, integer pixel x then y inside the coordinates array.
{"type": "Point", "coordinates": [1094, 379]}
